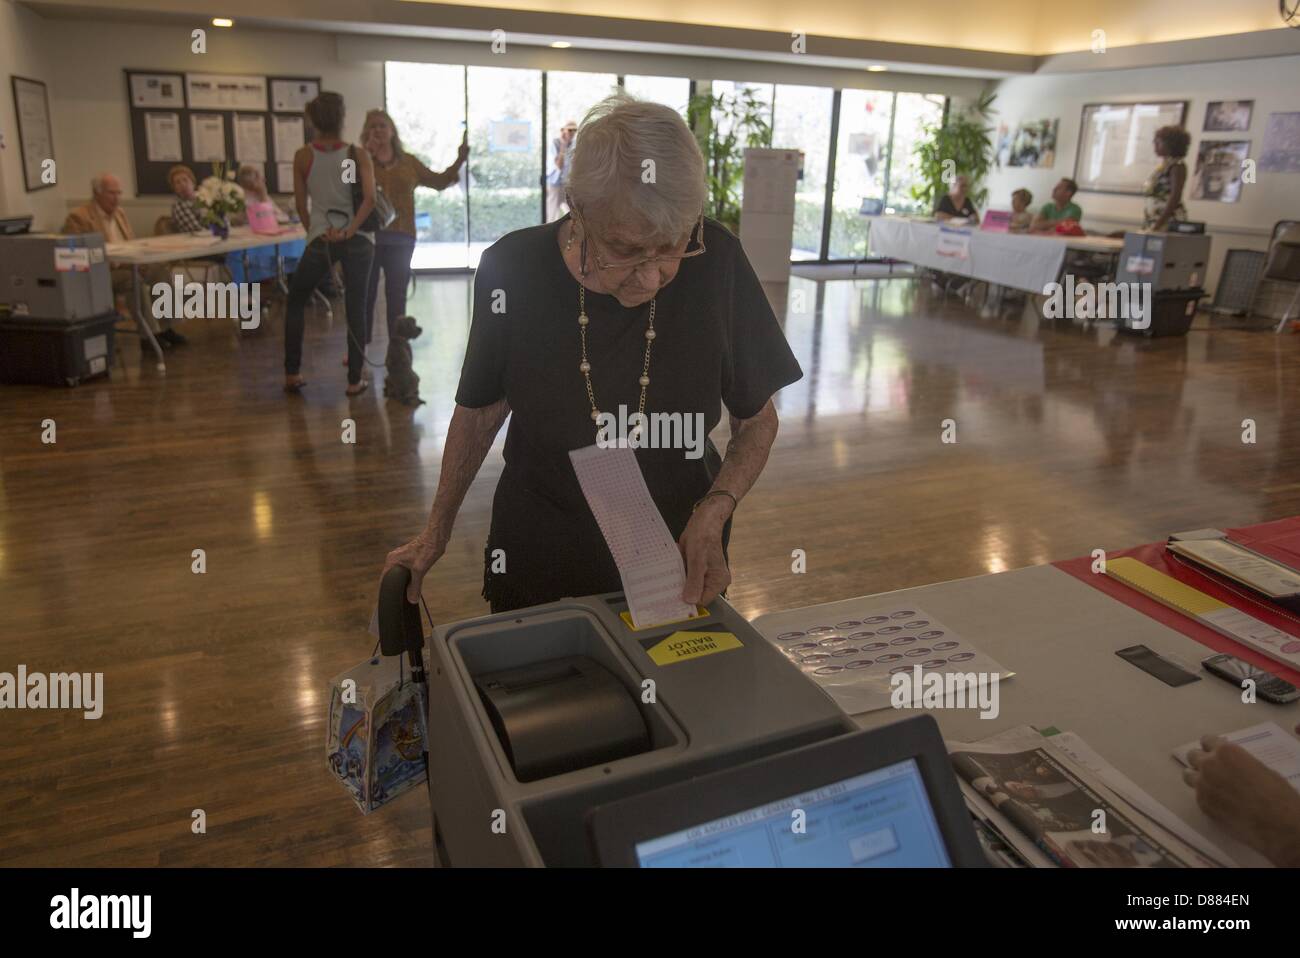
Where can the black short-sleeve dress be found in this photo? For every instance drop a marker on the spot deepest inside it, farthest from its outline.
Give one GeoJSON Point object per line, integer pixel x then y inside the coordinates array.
{"type": "Point", "coordinates": [717, 343]}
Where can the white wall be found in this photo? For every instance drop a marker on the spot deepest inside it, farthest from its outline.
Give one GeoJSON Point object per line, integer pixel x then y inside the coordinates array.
{"type": "Point", "coordinates": [89, 96]}
{"type": "Point", "coordinates": [1271, 83]}
{"type": "Point", "coordinates": [21, 39]}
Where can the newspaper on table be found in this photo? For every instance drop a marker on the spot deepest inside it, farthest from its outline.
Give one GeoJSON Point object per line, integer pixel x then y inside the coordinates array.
{"type": "Point", "coordinates": [999, 853]}
{"type": "Point", "coordinates": [1079, 750]}
{"type": "Point", "coordinates": [1062, 808]}
{"type": "Point", "coordinates": [1003, 844]}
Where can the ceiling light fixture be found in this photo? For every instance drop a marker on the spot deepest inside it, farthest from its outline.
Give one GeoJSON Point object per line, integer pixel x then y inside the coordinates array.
{"type": "Point", "coordinates": [222, 22]}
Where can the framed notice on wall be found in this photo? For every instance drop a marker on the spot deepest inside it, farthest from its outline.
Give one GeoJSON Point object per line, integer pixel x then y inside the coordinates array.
{"type": "Point", "coordinates": [155, 90]}
{"type": "Point", "coordinates": [1116, 149]}
{"type": "Point", "coordinates": [221, 91]}
{"type": "Point", "coordinates": [209, 119]}
{"type": "Point", "coordinates": [35, 136]}
{"type": "Point", "coordinates": [292, 95]}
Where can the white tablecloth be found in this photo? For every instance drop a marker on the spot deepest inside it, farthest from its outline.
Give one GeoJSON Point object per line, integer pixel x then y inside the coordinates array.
{"type": "Point", "coordinates": [178, 246]}
{"type": "Point", "coordinates": [1018, 260]}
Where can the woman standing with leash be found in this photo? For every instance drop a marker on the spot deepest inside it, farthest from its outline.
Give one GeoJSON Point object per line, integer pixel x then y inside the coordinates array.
{"type": "Point", "coordinates": [326, 172]}
{"type": "Point", "coordinates": [397, 174]}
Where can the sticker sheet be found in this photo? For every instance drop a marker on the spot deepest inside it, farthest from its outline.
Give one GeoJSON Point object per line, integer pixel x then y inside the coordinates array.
{"type": "Point", "coordinates": [854, 658]}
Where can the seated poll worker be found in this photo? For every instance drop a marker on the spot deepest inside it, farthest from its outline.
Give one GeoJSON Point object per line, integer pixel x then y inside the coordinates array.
{"type": "Point", "coordinates": [104, 215]}
{"type": "Point", "coordinates": [1062, 207]}
{"type": "Point", "coordinates": [1021, 218]}
{"type": "Point", "coordinates": [186, 216]}
{"type": "Point", "coordinates": [633, 299]}
{"type": "Point", "coordinates": [956, 203]}
{"type": "Point", "coordinates": [256, 195]}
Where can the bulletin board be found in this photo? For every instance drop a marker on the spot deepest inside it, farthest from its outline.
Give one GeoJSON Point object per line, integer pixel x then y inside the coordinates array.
{"type": "Point", "coordinates": [198, 118]}
{"type": "Point", "coordinates": [1116, 154]}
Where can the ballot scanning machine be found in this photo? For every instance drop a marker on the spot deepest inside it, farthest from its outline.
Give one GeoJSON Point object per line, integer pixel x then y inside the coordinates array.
{"type": "Point", "coordinates": [559, 735]}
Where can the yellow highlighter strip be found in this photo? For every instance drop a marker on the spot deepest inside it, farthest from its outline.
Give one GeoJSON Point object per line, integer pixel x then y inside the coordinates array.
{"type": "Point", "coordinates": [1162, 588]}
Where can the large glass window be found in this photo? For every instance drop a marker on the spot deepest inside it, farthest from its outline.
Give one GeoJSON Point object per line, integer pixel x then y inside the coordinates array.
{"type": "Point", "coordinates": [801, 120]}
{"type": "Point", "coordinates": [431, 128]}
{"type": "Point", "coordinates": [570, 95]}
{"type": "Point", "coordinates": [861, 168]}
{"type": "Point", "coordinates": [568, 98]}
{"type": "Point", "coordinates": [505, 141]}
{"type": "Point", "coordinates": [502, 188]}
{"type": "Point", "coordinates": [912, 111]}
{"type": "Point", "coordinates": [670, 91]}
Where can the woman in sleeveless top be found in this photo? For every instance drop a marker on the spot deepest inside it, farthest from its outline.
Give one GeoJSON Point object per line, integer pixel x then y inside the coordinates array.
{"type": "Point", "coordinates": [324, 172]}
{"type": "Point", "coordinates": [1164, 189]}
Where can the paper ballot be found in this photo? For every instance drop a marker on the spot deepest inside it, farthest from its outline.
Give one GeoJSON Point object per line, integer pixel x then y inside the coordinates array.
{"type": "Point", "coordinates": [1268, 742]}
{"type": "Point", "coordinates": [648, 560]}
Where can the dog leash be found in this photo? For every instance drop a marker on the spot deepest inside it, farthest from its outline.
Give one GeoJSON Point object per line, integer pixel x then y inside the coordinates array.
{"type": "Point", "coordinates": [330, 259]}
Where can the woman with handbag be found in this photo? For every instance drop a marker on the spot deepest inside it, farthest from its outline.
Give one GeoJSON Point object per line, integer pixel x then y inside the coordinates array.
{"type": "Point", "coordinates": [397, 174]}
{"type": "Point", "coordinates": [339, 182]}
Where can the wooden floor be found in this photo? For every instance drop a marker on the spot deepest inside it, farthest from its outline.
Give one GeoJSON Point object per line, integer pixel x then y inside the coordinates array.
{"type": "Point", "coordinates": [215, 684]}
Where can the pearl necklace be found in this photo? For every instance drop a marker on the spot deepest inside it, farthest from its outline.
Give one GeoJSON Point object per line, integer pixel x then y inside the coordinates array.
{"type": "Point", "coordinates": [584, 366]}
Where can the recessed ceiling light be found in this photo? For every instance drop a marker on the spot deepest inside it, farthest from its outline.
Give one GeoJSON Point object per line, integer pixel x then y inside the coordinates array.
{"type": "Point", "coordinates": [561, 44]}
{"type": "Point", "coordinates": [222, 22]}
{"type": "Point", "coordinates": [876, 68]}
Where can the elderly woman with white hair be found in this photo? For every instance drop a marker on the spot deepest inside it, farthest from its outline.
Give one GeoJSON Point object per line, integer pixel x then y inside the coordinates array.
{"type": "Point", "coordinates": [634, 300]}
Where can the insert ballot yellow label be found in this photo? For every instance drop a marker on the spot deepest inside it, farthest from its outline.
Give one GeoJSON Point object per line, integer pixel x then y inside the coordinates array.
{"type": "Point", "coordinates": [685, 646]}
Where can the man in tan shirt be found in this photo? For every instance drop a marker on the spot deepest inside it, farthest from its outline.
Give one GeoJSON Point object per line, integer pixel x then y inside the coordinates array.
{"type": "Point", "coordinates": [104, 215]}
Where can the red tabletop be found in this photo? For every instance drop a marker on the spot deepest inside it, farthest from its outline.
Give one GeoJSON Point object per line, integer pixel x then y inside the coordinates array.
{"type": "Point", "coordinates": [1278, 540]}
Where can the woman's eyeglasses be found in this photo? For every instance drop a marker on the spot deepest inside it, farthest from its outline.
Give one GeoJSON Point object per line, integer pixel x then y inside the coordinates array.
{"type": "Point", "coordinates": [694, 247]}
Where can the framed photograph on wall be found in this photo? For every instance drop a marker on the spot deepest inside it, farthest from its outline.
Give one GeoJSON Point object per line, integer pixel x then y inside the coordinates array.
{"type": "Point", "coordinates": [1218, 170]}
{"type": "Point", "coordinates": [1281, 152]}
{"type": "Point", "coordinates": [1034, 144]}
{"type": "Point", "coordinates": [1228, 116]}
{"type": "Point", "coordinates": [35, 132]}
{"type": "Point", "coordinates": [1117, 150]}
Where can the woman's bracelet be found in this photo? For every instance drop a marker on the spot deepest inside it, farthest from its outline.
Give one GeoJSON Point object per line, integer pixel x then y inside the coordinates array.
{"type": "Point", "coordinates": [717, 492]}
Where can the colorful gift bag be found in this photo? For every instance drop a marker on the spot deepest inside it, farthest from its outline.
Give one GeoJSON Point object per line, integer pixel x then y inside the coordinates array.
{"type": "Point", "coordinates": [377, 744]}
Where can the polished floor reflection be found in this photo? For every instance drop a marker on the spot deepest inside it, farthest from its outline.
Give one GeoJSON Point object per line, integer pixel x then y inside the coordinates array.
{"type": "Point", "coordinates": [1066, 440]}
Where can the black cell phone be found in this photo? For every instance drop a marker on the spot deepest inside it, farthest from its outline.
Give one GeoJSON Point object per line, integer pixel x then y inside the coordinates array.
{"type": "Point", "coordinates": [1270, 687]}
{"type": "Point", "coordinates": [1155, 664]}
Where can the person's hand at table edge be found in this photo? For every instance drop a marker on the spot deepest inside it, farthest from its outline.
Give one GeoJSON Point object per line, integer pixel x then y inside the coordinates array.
{"type": "Point", "coordinates": [1256, 805]}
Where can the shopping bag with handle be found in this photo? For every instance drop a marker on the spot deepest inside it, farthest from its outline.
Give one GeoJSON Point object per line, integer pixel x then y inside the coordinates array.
{"type": "Point", "coordinates": [376, 741]}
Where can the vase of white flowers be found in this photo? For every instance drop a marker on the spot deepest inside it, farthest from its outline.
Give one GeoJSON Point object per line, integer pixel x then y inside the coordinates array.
{"type": "Point", "coordinates": [219, 197]}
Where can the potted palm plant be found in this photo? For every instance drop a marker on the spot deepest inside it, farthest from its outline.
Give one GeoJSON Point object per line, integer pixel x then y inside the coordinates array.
{"type": "Point", "coordinates": [962, 144]}
{"type": "Point", "coordinates": [725, 125]}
